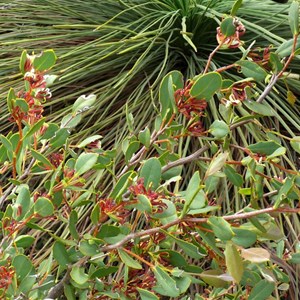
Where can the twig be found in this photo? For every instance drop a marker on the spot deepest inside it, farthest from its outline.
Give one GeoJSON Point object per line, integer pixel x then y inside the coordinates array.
{"type": "Point", "coordinates": [237, 216]}
{"type": "Point", "coordinates": [211, 56]}
{"type": "Point", "coordinates": [274, 77]}
{"type": "Point", "coordinates": [58, 289]}
{"type": "Point", "coordinates": [185, 160]}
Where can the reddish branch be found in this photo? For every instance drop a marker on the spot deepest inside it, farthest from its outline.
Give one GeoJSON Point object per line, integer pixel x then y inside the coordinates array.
{"type": "Point", "coordinates": [236, 216]}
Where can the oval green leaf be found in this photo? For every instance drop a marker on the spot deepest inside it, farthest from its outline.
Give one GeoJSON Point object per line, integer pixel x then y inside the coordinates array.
{"type": "Point", "coordinates": [43, 207]}
{"type": "Point", "coordinates": [252, 70]}
{"type": "Point", "coordinates": [234, 262]}
{"type": "Point", "coordinates": [85, 162]}
{"type": "Point", "coordinates": [45, 61]}
{"type": "Point", "coordinates": [151, 172]}
{"type": "Point", "coordinates": [227, 27]}
{"type": "Point", "coordinates": [206, 85]}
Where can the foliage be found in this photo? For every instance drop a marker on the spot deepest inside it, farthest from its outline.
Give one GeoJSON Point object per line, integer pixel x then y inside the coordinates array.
{"type": "Point", "coordinates": [166, 224]}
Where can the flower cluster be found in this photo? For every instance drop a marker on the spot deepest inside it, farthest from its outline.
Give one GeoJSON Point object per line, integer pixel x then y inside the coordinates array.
{"type": "Point", "coordinates": [192, 108]}
{"type": "Point", "coordinates": [110, 209]}
{"type": "Point", "coordinates": [239, 92]}
{"type": "Point", "coordinates": [36, 92]}
{"type": "Point", "coordinates": [143, 279]}
{"type": "Point", "coordinates": [262, 60]}
{"type": "Point", "coordinates": [155, 198]}
{"type": "Point", "coordinates": [6, 276]}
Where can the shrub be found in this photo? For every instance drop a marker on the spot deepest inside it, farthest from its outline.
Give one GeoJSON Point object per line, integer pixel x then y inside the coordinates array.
{"type": "Point", "coordinates": [173, 223]}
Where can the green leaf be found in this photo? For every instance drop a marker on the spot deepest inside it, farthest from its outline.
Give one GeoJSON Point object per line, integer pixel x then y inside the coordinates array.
{"type": "Point", "coordinates": [89, 140]}
{"type": "Point", "coordinates": [188, 248]}
{"type": "Point", "coordinates": [95, 214]}
{"type": "Point", "coordinates": [295, 258]}
{"type": "Point", "coordinates": [219, 129]}
{"type": "Point", "coordinates": [199, 203]}
{"type": "Point", "coordinates": [259, 108]}
{"type": "Point", "coordinates": [171, 82]}
{"type": "Point", "coordinates": [170, 212]}
{"type": "Point", "coordinates": [244, 237]}
{"type": "Point", "coordinates": [104, 271]}
{"type": "Point", "coordinates": [294, 17]}
{"type": "Point", "coordinates": [73, 218]}
{"type": "Point", "coordinates": [295, 143]}
{"type": "Point", "coordinates": [23, 266]}
{"type": "Point", "coordinates": [276, 64]}
{"type": "Point", "coordinates": [60, 254]}
{"type": "Point", "coordinates": [284, 190]}
{"type": "Point", "coordinates": [6, 143]}
{"type": "Point", "coordinates": [221, 228]}
{"type": "Point", "coordinates": [83, 103]}
{"type": "Point", "coordinates": [88, 248]}
{"type": "Point", "coordinates": [165, 284]}
{"type": "Point", "coordinates": [216, 164]}
{"type": "Point", "coordinates": [143, 204]}
{"type": "Point", "coordinates": [234, 177]}
{"type": "Point", "coordinates": [146, 295]}
{"type": "Point", "coordinates": [256, 255]}
{"type": "Point", "coordinates": [78, 275]}
{"type": "Point", "coordinates": [22, 104]}
{"type": "Point", "coordinates": [108, 231]}
{"type": "Point", "coordinates": [144, 137]}
{"type": "Point", "coordinates": [252, 70]}
{"type": "Point", "coordinates": [278, 152]}
{"type": "Point", "coordinates": [264, 148]}
{"type": "Point", "coordinates": [41, 158]}
{"type": "Point", "coordinates": [122, 185]}
{"type": "Point", "coordinates": [85, 162]}
{"type": "Point", "coordinates": [36, 126]}
{"type": "Point", "coordinates": [131, 150]}
{"type": "Point", "coordinates": [129, 119]}
{"type": "Point", "coordinates": [174, 257]}
{"type": "Point", "coordinates": [45, 61]}
{"type": "Point", "coordinates": [212, 278]}
{"type": "Point", "coordinates": [183, 283]}
{"type": "Point", "coordinates": [11, 96]}
{"type": "Point", "coordinates": [23, 61]}
{"type": "Point", "coordinates": [51, 130]}
{"type": "Point", "coordinates": [23, 203]}
{"type": "Point", "coordinates": [191, 192]}
{"type": "Point", "coordinates": [70, 120]}
{"type": "Point", "coordinates": [50, 80]}
{"type": "Point", "coordinates": [26, 284]}
{"type": "Point", "coordinates": [129, 261]}
{"type": "Point", "coordinates": [60, 138]}
{"type": "Point", "coordinates": [151, 172]}
{"type": "Point", "coordinates": [262, 290]}
{"type": "Point", "coordinates": [206, 85]}
{"type": "Point", "coordinates": [291, 98]}
{"type": "Point", "coordinates": [234, 262]}
{"type": "Point", "coordinates": [237, 4]}
{"type": "Point", "coordinates": [24, 241]}
{"type": "Point", "coordinates": [43, 207]}
{"type": "Point", "coordinates": [227, 27]}
{"type": "Point", "coordinates": [69, 292]}
{"type": "Point", "coordinates": [285, 49]}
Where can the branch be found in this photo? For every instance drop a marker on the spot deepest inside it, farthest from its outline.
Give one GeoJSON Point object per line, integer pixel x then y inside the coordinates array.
{"type": "Point", "coordinates": [236, 216]}
{"type": "Point", "coordinates": [274, 78]}
{"type": "Point", "coordinates": [58, 289]}
{"type": "Point", "coordinates": [185, 160]}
